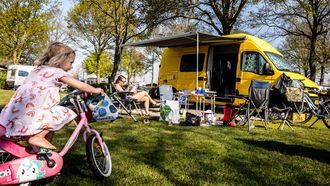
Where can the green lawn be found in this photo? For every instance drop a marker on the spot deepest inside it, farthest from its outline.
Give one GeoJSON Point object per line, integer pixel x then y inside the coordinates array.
{"type": "Point", "coordinates": [157, 154]}
{"type": "Point", "coordinates": [5, 95]}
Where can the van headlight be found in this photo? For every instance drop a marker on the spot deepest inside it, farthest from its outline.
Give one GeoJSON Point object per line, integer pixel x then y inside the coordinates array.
{"type": "Point", "coordinates": [312, 91]}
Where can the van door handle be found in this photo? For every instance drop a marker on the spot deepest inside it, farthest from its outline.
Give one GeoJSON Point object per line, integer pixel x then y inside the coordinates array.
{"type": "Point", "coordinates": [201, 78]}
{"type": "Point", "coordinates": [238, 79]}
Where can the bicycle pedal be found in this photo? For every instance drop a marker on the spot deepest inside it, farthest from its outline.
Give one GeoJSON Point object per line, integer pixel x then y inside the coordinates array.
{"type": "Point", "coordinates": [44, 151]}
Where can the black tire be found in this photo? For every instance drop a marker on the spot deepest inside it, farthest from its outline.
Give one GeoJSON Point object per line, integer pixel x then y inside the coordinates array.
{"type": "Point", "coordinates": [326, 113]}
{"type": "Point", "coordinates": [100, 164]}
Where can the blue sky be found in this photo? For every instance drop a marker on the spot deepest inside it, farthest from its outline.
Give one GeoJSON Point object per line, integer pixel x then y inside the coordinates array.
{"type": "Point", "coordinates": [66, 5]}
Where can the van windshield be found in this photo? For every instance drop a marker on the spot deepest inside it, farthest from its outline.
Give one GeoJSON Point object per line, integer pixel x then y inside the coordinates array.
{"type": "Point", "coordinates": [280, 63]}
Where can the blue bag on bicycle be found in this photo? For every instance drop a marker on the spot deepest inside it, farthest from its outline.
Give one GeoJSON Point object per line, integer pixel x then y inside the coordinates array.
{"type": "Point", "coordinates": [102, 108]}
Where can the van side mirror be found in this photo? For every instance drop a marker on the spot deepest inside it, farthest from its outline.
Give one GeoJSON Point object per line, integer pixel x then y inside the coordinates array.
{"type": "Point", "coordinates": [267, 69]}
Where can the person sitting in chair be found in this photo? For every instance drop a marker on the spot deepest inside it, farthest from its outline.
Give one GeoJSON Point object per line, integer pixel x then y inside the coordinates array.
{"type": "Point", "coordinates": [143, 96]}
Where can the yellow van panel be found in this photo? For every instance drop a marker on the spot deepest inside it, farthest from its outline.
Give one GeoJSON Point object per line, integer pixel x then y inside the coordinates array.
{"type": "Point", "coordinates": [169, 72]}
{"type": "Point", "coordinates": [256, 42]}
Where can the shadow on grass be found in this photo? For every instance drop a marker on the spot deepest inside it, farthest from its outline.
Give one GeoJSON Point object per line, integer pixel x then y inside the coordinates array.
{"type": "Point", "coordinates": [292, 150]}
{"type": "Point", "coordinates": [75, 165]}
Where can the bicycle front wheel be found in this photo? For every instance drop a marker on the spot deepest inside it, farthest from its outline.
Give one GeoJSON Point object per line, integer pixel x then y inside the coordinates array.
{"type": "Point", "coordinates": [326, 113]}
{"type": "Point", "coordinates": [99, 162]}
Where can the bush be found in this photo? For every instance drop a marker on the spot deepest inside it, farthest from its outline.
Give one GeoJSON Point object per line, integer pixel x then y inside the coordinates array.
{"type": "Point", "coordinates": [3, 76]}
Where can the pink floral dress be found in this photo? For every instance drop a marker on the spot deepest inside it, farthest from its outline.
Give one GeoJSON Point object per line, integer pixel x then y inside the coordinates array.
{"type": "Point", "coordinates": [33, 107]}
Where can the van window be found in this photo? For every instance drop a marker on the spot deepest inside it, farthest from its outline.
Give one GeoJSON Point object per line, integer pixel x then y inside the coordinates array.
{"type": "Point", "coordinates": [189, 63]}
{"type": "Point", "coordinates": [280, 63]}
{"type": "Point", "coordinates": [253, 62]}
{"type": "Point", "coordinates": [23, 73]}
{"type": "Point", "coordinates": [12, 72]}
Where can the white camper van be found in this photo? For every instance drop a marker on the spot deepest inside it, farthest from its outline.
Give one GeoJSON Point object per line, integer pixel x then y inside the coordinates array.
{"type": "Point", "coordinates": [16, 75]}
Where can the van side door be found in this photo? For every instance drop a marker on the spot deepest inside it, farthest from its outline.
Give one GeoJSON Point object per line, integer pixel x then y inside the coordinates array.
{"type": "Point", "coordinates": [253, 67]}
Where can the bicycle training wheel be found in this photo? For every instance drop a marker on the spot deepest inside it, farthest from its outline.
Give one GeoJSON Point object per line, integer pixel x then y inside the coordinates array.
{"type": "Point", "coordinates": [99, 162]}
{"type": "Point", "coordinates": [326, 113]}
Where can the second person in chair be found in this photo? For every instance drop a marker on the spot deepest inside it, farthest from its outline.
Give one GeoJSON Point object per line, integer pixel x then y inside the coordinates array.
{"type": "Point", "coordinates": [142, 96]}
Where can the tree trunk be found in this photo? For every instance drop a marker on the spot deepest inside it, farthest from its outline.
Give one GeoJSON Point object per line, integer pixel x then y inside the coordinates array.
{"type": "Point", "coordinates": [116, 61]}
{"type": "Point", "coordinates": [152, 75]}
{"type": "Point", "coordinates": [322, 75]}
{"type": "Point", "coordinates": [15, 60]}
{"type": "Point", "coordinates": [226, 28]}
{"type": "Point", "coordinates": [152, 70]}
{"type": "Point", "coordinates": [312, 67]}
{"type": "Point", "coordinates": [98, 68]}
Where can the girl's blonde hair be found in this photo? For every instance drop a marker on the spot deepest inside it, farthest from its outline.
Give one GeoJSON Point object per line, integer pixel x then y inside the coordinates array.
{"type": "Point", "coordinates": [55, 55]}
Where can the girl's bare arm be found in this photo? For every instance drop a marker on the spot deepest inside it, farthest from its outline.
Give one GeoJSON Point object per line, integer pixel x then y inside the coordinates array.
{"type": "Point", "coordinates": [81, 86]}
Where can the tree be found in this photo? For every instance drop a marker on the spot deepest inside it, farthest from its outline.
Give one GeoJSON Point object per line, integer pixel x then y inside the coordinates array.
{"type": "Point", "coordinates": [131, 19]}
{"type": "Point", "coordinates": [219, 15]}
{"type": "Point", "coordinates": [295, 49]}
{"type": "Point", "coordinates": [24, 28]}
{"type": "Point", "coordinates": [90, 64]}
{"type": "Point", "coordinates": [154, 55]}
{"type": "Point", "coordinates": [133, 63]}
{"type": "Point", "coordinates": [91, 30]}
{"type": "Point", "coordinates": [290, 17]}
{"type": "Point", "coordinates": [323, 54]}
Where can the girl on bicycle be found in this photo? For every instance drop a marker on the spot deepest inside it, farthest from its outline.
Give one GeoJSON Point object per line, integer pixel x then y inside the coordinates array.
{"type": "Point", "coordinates": [33, 111]}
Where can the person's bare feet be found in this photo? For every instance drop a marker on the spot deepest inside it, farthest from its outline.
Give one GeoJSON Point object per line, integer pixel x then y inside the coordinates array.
{"type": "Point", "coordinates": [40, 142]}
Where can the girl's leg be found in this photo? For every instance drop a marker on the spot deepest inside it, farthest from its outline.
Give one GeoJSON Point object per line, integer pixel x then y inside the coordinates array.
{"type": "Point", "coordinates": [39, 140]}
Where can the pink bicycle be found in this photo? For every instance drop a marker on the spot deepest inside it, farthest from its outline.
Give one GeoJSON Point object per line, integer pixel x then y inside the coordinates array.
{"type": "Point", "coordinates": [19, 166]}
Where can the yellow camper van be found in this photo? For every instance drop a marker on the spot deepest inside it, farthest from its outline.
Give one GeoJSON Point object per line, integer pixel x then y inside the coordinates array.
{"type": "Point", "coordinates": [226, 64]}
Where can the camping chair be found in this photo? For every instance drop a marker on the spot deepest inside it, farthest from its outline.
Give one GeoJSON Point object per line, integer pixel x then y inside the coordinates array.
{"type": "Point", "coordinates": [239, 113]}
{"type": "Point", "coordinates": [283, 114]}
{"type": "Point", "coordinates": [125, 101]}
{"type": "Point", "coordinates": [166, 93]}
{"type": "Point", "coordinates": [258, 101]}
{"type": "Point", "coordinates": [169, 99]}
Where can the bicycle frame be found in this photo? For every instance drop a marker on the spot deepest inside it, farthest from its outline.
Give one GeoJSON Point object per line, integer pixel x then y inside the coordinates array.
{"type": "Point", "coordinates": [82, 123]}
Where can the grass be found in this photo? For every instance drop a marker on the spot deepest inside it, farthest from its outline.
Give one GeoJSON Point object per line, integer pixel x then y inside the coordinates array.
{"type": "Point", "coordinates": [5, 96]}
{"type": "Point", "coordinates": [156, 154]}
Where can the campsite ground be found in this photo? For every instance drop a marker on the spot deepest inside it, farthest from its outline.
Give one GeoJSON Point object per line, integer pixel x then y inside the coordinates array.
{"type": "Point", "coordinates": [157, 154]}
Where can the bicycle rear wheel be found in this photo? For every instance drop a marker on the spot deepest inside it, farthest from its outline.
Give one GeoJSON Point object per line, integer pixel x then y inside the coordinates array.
{"type": "Point", "coordinates": [326, 113]}
{"type": "Point", "coordinates": [100, 163]}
